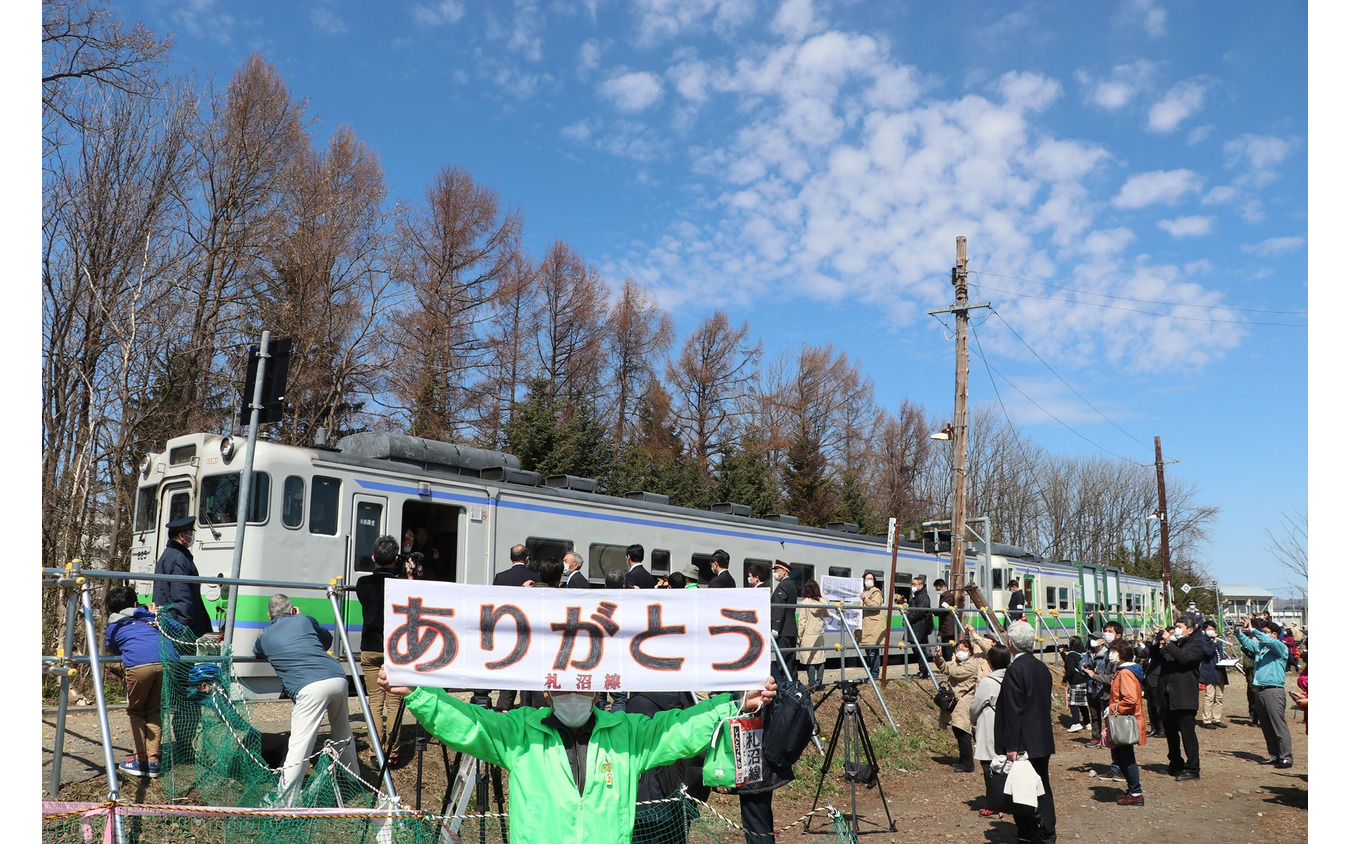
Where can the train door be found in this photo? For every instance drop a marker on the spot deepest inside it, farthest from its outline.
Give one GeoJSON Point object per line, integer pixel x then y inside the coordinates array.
{"type": "Point", "coordinates": [439, 525]}
{"type": "Point", "coordinates": [367, 525]}
{"type": "Point", "coordinates": [1087, 578]}
{"type": "Point", "coordinates": [175, 502]}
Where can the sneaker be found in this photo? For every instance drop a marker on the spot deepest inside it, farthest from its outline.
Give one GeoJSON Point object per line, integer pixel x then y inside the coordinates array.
{"type": "Point", "coordinates": [1095, 743]}
{"type": "Point", "coordinates": [1188, 775]}
{"type": "Point", "coordinates": [1130, 800]}
{"type": "Point", "coordinates": [136, 768]}
{"type": "Point", "coordinates": [1116, 775]}
{"type": "Point", "coordinates": [1269, 760]}
{"type": "Point", "coordinates": [1075, 728]}
{"type": "Point", "coordinates": [1286, 762]}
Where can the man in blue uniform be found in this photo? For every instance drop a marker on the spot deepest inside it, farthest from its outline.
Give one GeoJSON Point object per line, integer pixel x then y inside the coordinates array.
{"type": "Point", "coordinates": [182, 601]}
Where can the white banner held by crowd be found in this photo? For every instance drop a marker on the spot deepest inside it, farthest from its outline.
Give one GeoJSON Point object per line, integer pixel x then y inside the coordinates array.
{"type": "Point", "coordinates": [846, 590]}
{"type": "Point", "coordinates": [457, 636]}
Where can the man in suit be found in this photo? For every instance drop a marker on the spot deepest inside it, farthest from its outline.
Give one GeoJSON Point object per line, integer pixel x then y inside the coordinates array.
{"type": "Point", "coordinates": [947, 622]}
{"type": "Point", "coordinates": [1016, 601]}
{"type": "Point", "coordinates": [1022, 727]}
{"type": "Point", "coordinates": [573, 577]}
{"type": "Point", "coordinates": [783, 619]}
{"type": "Point", "coordinates": [1182, 654]}
{"type": "Point", "coordinates": [722, 578]}
{"type": "Point", "coordinates": [519, 574]}
{"type": "Point", "coordinates": [637, 573]}
{"type": "Point", "coordinates": [919, 618]}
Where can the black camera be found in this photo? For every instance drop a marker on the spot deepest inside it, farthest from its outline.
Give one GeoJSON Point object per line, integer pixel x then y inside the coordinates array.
{"type": "Point", "coordinates": [411, 564]}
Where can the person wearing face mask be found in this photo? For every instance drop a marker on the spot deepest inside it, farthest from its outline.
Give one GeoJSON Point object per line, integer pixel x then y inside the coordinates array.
{"type": "Point", "coordinates": [1269, 656]}
{"type": "Point", "coordinates": [1100, 673]}
{"type": "Point", "coordinates": [1213, 677]}
{"type": "Point", "coordinates": [873, 624]}
{"type": "Point", "coordinates": [574, 768]}
{"type": "Point", "coordinates": [181, 600]}
{"type": "Point", "coordinates": [1127, 698]}
{"type": "Point", "coordinates": [783, 615]}
{"type": "Point", "coordinates": [1182, 654]}
{"type": "Point", "coordinates": [963, 674]}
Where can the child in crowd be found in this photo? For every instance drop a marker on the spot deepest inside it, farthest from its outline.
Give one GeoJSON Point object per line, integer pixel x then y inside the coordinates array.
{"type": "Point", "coordinates": [1076, 685]}
{"type": "Point", "coordinates": [133, 634]}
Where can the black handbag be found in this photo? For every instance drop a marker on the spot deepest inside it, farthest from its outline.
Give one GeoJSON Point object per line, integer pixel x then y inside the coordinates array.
{"type": "Point", "coordinates": [789, 724]}
{"type": "Point", "coordinates": [945, 699]}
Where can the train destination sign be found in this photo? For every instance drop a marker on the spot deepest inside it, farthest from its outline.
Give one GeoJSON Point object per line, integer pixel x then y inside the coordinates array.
{"type": "Point", "coordinates": [459, 636]}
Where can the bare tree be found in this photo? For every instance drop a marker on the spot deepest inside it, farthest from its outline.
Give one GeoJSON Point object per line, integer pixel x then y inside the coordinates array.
{"type": "Point", "coordinates": [712, 373]}
{"type": "Point", "coordinates": [1290, 548]}
{"type": "Point", "coordinates": [573, 314]}
{"type": "Point", "coordinates": [899, 451]}
{"type": "Point", "coordinates": [638, 335]}
{"type": "Point", "coordinates": [512, 328]}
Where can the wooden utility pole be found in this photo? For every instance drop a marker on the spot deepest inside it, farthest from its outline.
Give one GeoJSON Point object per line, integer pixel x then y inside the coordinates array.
{"type": "Point", "coordinates": [961, 309]}
{"type": "Point", "coordinates": [1162, 520]}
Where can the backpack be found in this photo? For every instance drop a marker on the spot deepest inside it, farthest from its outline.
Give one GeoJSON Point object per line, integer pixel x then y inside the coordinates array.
{"type": "Point", "coordinates": [790, 723]}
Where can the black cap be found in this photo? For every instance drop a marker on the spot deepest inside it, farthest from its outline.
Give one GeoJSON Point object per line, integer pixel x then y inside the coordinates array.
{"type": "Point", "coordinates": [180, 525]}
{"type": "Point", "coordinates": [779, 564]}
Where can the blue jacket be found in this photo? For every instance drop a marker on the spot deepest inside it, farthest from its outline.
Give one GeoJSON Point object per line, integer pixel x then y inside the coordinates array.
{"type": "Point", "coordinates": [132, 634]}
{"type": "Point", "coordinates": [1270, 656]}
{"type": "Point", "coordinates": [297, 647]}
{"type": "Point", "coordinates": [1210, 673]}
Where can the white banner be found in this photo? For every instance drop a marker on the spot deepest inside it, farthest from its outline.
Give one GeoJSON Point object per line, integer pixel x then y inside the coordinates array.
{"type": "Point", "coordinates": [846, 590]}
{"type": "Point", "coordinates": [457, 636]}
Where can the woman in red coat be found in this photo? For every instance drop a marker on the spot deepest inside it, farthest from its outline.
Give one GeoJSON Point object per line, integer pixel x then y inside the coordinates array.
{"type": "Point", "coordinates": [1127, 698]}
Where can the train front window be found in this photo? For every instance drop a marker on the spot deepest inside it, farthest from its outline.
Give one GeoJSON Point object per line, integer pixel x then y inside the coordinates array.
{"type": "Point", "coordinates": [147, 505]}
{"type": "Point", "coordinates": [323, 505]}
{"type": "Point", "coordinates": [219, 502]}
{"type": "Point", "coordinates": [293, 502]}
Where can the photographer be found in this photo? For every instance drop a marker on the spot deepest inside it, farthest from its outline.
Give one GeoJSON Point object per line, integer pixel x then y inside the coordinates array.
{"type": "Point", "coordinates": [370, 592]}
{"type": "Point", "coordinates": [1269, 655]}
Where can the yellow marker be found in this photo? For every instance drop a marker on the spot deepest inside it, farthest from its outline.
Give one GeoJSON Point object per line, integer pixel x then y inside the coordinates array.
{"type": "Point", "coordinates": [1039, 639]}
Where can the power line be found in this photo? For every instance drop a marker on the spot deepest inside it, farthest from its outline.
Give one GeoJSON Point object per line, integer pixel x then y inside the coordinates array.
{"type": "Point", "coordinates": [1148, 313]}
{"type": "Point", "coordinates": [1066, 383]}
{"type": "Point", "coordinates": [1065, 425]}
{"type": "Point", "coordinates": [1128, 299]}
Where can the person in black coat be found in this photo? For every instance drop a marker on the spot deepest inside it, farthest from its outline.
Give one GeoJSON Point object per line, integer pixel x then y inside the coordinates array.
{"type": "Point", "coordinates": [947, 624]}
{"type": "Point", "coordinates": [1016, 601]}
{"type": "Point", "coordinates": [722, 578]}
{"type": "Point", "coordinates": [1022, 727]}
{"type": "Point", "coordinates": [783, 619]}
{"type": "Point", "coordinates": [1155, 695]}
{"type": "Point", "coordinates": [181, 600]}
{"type": "Point", "coordinates": [1181, 657]}
{"type": "Point", "coordinates": [520, 572]}
{"type": "Point", "coordinates": [637, 574]}
{"type": "Point", "coordinates": [919, 619]}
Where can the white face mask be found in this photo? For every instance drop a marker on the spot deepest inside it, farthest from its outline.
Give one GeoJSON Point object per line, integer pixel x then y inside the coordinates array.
{"type": "Point", "coordinates": [1109, 637]}
{"type": "Point", "coordinates": [1211, 633]}
{"type": "Point", "coordinates": [868, 583]}
{"type": "Point", "coordinates": [1179, 632]}
{"type": "Point", "coordinates": [962, 656]}
{"type": "Point", "coordinates": [572, 709]}
{"type": "Point", "coordinates": [1114, 657]}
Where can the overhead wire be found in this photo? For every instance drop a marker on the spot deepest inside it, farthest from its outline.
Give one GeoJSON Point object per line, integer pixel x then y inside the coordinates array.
{"type": "Point", "coordinates": [1147, 313]}
{"type": "Point", "coordinates": [1129, 299]}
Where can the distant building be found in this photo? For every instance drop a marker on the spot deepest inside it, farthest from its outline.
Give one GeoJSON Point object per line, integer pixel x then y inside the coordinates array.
{"type": "Point", "coordinates": [1244, 599]}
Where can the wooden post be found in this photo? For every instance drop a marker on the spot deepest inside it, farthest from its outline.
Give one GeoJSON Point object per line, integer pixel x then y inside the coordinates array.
{"type": "Point", "coordinates": [957, 582]}
{"type": "Point", "coordinates": [1162, 520]}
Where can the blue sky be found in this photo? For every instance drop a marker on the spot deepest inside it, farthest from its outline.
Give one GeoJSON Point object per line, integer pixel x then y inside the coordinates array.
{"type": "Point", "coordinates": [808, 165]}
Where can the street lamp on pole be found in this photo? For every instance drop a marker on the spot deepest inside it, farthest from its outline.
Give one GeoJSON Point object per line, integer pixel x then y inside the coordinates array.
{"type": "Point", "coordinates": [1161, 515]}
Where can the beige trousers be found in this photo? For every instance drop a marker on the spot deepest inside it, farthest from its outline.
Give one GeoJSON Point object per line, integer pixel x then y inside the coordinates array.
{"type": "Point", "coordinates": [1211, 709]}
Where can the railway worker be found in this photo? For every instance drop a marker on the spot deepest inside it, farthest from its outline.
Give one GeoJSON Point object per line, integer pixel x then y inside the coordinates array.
{"type": "Point", "coordinates": [1016, 601]}
{"type": "Point", "coordinates": [1022, 726]}
{"type": "Point", "coordinates": [573, 578]}
{"type": "Point", "coordinates": [1269, 656]}
{"type": "Point", "coordinates": [370, 592]}
{"type": "Point", "coordinates": [722, 578]}
{"type": "Point", "coordinates": [297, 648]}
{"type": "Point", "coordinates": [783, 615]}
{"type": "Point", "coordinates": [561, 788]}
{"type": "Point", "coordinates": [637, 573]}
{"type": "Point", "coordinates": [181, 600]}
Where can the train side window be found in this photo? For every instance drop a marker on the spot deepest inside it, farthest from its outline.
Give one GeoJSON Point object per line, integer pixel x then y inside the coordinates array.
{"type": "Point", "coordinates": [998, 578]}
{"type": "Point", "coordinates": [219, 500]}
{"type": "Point", "coordinates": [841, 571]}
{"type": "Point", "coordinates": [902, 588]}
{"type": "Point", "coordinates": [543, 546]}
{"type": "Point", "coordinates": [704, 563]}
{"type": "Point", "coordinates": [1049, 597]}
{"type": "Point", "coordinates": [660, 559]}
{"type": "Point", "coordinates": [1063, 597]}
{"type": "Point", "coordinates": [147, 505]}
{"type": "Point", "coordinates": [601, 558]}
{"type": "Point", "coordinates": [802, 572]}
{"type": "Point", "coordinates": [323, 505]}
{"type": "Point", "coordinates": [369, 517]}
{"type": "Point", "coordinates": [293, 501]}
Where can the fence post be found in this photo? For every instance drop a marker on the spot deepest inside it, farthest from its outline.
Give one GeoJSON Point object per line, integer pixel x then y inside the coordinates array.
{"type": "Point", "coordinates": [63, 700]}
{"type": "Point", "coordinates": [334, 586]}
{"type": "Point", "coordinates": [96, 670]}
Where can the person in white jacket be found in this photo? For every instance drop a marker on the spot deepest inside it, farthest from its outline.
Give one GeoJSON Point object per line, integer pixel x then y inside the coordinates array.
{"type": "Point", "coordinates": [982, 717]}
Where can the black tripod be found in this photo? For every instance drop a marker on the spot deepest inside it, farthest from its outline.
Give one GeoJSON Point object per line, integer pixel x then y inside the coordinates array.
{"type": "Point", "coordinates": [482, 773]}
{"type": "Point", "coordinates": [860, 761]}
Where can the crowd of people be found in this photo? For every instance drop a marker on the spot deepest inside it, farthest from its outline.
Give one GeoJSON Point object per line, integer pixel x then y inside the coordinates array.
{"type": "Point", "coordinates": [1120, 690]}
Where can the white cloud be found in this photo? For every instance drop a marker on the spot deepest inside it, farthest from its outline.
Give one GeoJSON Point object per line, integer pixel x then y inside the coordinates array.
{"type": "Point", "coordinates": [661, 20]}
{"type": "Point", "coordinates": [1108, 242]}
{"type": "Point", "coordinates": [200, 19]}
{"type": "Point", "coordinates": [1221, 195]}
{"type": "Point", "coordinates": [1180, 227]}
{"type": "Point", "coordinates": [1125, 83]}
{"type": "Point", "coordinates": [1158, 186]}
{"type": "Point", "coordinates": [1149, 14]}
{"type": "Point", "coordinates": [1183, 100]}
{"type": "Point", "coordinates": [1199, 134]}
{"type": "Point", "coordinates": [579, 131]}
{"type": "Point", "coordinates": [588, 58]}
{"type": "Point", "coordinates": [633, 91]}
{"type": "Point", "coordinates": [327, 22]}
{"type": "Point", "coordinates": [439, 14]}
{"type": "Point", "coordinates": [1030, 91]}
{"type": "Point", "coordinates": [1275, 246]}
{"type": "Point", "coordinates": [1259, 154]}
{"type": "Point", "coordinates": [795, 20]}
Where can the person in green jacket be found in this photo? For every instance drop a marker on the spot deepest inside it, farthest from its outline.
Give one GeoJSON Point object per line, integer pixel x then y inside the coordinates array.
{"type": "Point", "coordinates": [574, 769]}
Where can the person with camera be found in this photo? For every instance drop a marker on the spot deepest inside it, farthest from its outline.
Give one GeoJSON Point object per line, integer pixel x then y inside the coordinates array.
{"type": "Point", "coordinates": [963, 674]}
{"type": "Point", "coordinates": [370, 593]}
{"type": "Point", "coordinates": [1269, 655]}
{"type": "Point", "coordinates": [1182, 654]}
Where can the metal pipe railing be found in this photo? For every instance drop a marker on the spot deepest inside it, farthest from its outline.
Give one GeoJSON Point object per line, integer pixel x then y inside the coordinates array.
{"type": "Point", "coordinates": [334, 587]}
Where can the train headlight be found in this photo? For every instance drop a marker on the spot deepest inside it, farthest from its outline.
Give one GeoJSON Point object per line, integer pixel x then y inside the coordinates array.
{"type": "Point", "coordinates": [146, 463]}
{"type": "Point", "coordinates": [227, 448]}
